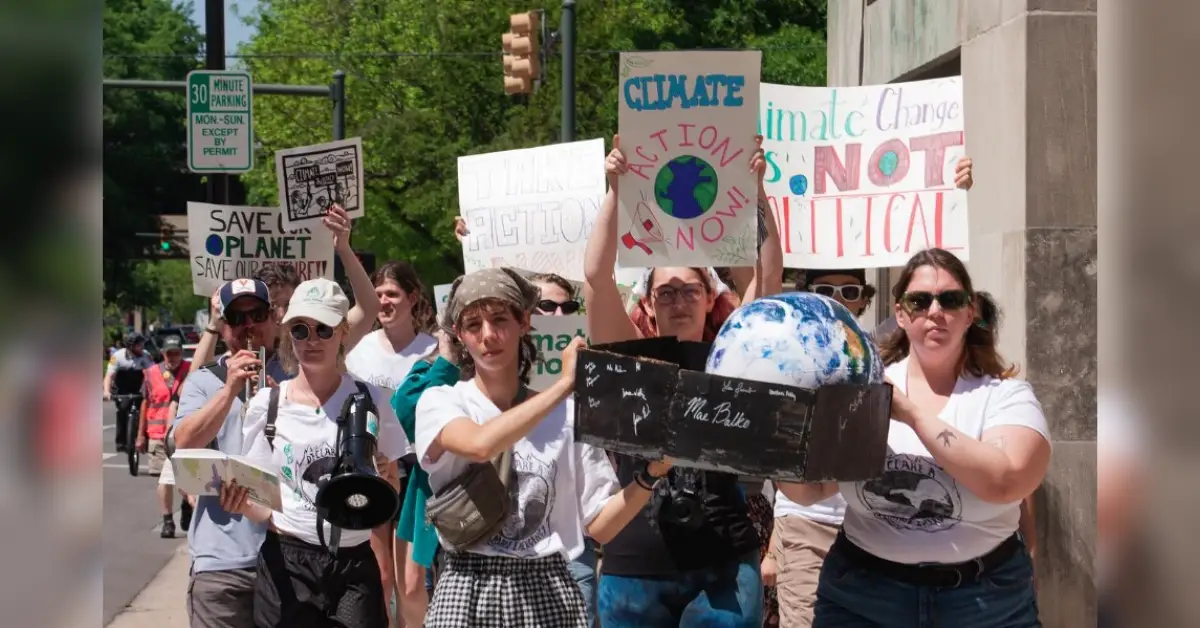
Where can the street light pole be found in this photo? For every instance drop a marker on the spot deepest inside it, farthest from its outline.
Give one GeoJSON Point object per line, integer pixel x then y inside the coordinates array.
{"type": "Point", "coordinates": [566, 28]}
{"type": "Point", "coordinates": [337, 92]}
{"type": "Point", "coordinates": [214, 59]}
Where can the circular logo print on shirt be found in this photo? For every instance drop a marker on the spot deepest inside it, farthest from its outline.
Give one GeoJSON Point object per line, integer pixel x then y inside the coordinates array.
{"type": "Point", "coordinates": [913, 494]}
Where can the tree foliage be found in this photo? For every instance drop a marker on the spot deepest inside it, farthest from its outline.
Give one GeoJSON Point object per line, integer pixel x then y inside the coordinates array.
{"type": "Point", "coordinates": [417, 113]}
{"type": "Point", "coordinates": [145, 167]}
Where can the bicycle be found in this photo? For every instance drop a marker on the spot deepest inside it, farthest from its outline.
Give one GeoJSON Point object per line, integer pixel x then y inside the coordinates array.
{"type": "Point", "coordinates": [131, 418]}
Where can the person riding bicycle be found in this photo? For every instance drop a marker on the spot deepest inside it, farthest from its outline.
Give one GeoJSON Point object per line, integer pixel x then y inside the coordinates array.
{"type": "Point", "coordinates": [125, 376]}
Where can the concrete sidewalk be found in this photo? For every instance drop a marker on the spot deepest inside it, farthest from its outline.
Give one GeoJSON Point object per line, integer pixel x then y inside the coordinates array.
{"type": "Point", "coordinates": [163, 603]}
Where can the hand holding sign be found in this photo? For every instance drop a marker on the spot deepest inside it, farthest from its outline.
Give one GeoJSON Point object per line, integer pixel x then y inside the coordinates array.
{"type": "Point", "coordinates": [962, 174]}
{"type": "Point", "coordinates": [569, 357]}
{"type": "Point", "coordinates": [614, 164]}
{"type": "Point", "coordinates": [338, 223]}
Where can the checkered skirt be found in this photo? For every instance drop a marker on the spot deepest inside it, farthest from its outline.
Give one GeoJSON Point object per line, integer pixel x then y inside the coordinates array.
{"type": "Point", "coordinates": [477, 591]}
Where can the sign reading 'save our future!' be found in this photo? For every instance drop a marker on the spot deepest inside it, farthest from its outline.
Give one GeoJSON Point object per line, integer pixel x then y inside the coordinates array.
{"type": "Point", "coordinates": [220, 135]}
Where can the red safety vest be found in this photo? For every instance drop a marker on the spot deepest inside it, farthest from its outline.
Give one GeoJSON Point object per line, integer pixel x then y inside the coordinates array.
{"type": "Point", "coordinates": [159, 401]}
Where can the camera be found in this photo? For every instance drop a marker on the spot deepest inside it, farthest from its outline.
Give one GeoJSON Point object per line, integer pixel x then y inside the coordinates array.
{"type": "Point", "coordinates": [684, 504]}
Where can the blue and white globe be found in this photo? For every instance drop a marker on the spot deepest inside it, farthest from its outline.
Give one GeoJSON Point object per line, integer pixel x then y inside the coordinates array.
{"type": "Point", "coordinates": [797, 339]}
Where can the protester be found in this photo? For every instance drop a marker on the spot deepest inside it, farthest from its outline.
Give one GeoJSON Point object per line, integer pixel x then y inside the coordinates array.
{"type": "Point", "coordinates": [936, 536]}
{"type": "Point", "coordinates": [298, 579]}
{"type": "Point", "coordinates": [384, 357]}
{"type": "Point", "coordinates": [125, 376]}
{"type": "Point", "coordinates": [561, 490]}
{"type": "Point", "coordinates": [282, 279]}
{"type": "Point", "coordinates": [659, 572]}
{"type": "Point", "coordinates": [161, 385]}
{"type": "Point", "coordinates": [224, 546]}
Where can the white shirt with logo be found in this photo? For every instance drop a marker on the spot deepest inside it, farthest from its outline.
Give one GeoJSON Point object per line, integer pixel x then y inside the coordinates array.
{"type": "Point", "coordinates": [372, 361]}
{"type": "Point", "coordinates": [306, 452]}
{"type": "Point", "coordinates": [916, 512]}
{"type": "Point", "coordinates": [560, 486]}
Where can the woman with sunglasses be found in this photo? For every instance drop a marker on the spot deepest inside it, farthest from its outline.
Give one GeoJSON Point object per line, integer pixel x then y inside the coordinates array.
{"type": "Point", "coordinates": [934, 539]}
{"type": "Point", "coordinates": [561, 489]}
{"type": "Point", "coordinates": [659, 572]}
{"type": "Point", "coordinates": [299, 581]}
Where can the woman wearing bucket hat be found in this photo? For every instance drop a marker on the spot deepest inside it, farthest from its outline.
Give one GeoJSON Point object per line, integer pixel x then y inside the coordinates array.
{"type": "Point", "coordinates": [299, 581]}
{"type": "Point", "coordinates": [560, 490]}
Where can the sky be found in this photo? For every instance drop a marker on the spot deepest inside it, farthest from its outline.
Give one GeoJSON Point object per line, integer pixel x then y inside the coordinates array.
{"type": "Point", "coordinates": [236, 32]}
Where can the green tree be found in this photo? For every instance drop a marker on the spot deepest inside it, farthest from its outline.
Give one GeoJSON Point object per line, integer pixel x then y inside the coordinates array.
{"type": "Point", "coordinates": [145, 168]}
{"type": "Point", "coordinates": [417, 113]}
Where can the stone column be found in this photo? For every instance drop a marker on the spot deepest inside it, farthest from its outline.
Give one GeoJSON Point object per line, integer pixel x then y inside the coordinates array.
{"type": "Point", "coordinates": [1029, 72]}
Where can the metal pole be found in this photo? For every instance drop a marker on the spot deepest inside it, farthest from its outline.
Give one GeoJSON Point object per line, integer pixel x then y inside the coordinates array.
{"type": "Point", "coordinates": [338, 92]}
{"type": "Point", "coordinates": [214, 59]}
{"type": "Point", "coordinates": [324, 91]}
{"type": "Point", "coordinates": [566, 29]}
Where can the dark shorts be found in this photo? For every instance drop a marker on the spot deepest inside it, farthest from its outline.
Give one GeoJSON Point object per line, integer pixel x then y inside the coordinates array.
{"type": "Point", "coordinates": [301, 585]}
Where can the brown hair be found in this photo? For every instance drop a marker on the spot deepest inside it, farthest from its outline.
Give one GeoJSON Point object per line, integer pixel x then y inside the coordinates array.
{"type": "Point", "coordinates": [643, 313]}
{"type": "Point", "coordinates": [287, 351]}
{"type": "Point", "coordinates": [278, 275]}
{"type": "Point", "coordinates": [980, 356]}
{"type": "Point", "coordinates": [527, 353]}
{"type": "Point", "coordinates": [556, 280]}
{"type": "Point", "coordinates": [405, 276]}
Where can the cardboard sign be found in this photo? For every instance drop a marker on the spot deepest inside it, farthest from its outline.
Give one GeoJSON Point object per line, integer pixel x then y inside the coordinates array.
{"type": "Point", "coordinates": [552, 334]}
{"type": "Point", "coordinates": [649, 398]}
{"type": "Point", "coordinates": [531, 208]}
{"type": "Point", "coordinates": [311, 178]}
{"type": "Point", "coordinates": [687, 124]}
{"type": "Point", "coordinates": [229, 242]}
{"type": "Point", "coordinates": [863, 177]}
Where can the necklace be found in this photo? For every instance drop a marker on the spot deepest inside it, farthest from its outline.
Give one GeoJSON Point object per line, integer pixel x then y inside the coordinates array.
{"type": "Point", "coordinates": [313, 398]}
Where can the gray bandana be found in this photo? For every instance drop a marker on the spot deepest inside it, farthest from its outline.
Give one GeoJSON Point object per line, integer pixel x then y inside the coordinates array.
{"type": "Point", "coordinates": [502, 284]}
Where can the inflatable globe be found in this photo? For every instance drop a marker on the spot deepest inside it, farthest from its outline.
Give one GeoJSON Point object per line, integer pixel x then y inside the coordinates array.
{"type": "Point", "coordinates": [797, 339]}
{"type": "Point", "coordinates": [686, 187]}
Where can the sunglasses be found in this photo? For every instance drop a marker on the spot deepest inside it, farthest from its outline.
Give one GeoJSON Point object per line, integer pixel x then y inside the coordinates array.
{"type": "Point", "coordinates": [237, 318]}
{"type": "Point", "coordinates": [849, 292]}
{"type": "Point", "coordinates": [546, 306]}
{"type": "Point", "coordinates": [691, 293]}
{"type": "Point", "coordinates": [301, 331]}
{"type": "Point", "coordinates": [921, 301]}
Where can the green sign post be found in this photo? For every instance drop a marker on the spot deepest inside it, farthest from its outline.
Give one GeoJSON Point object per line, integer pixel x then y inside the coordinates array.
{"type": "Point", "coordinates": [220, 133]}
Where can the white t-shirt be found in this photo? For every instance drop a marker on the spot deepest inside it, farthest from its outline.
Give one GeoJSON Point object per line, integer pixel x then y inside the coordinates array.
{"type": "Point", "coordinates": [561, 485]}
{"type": "Point", "coordinates": [830, 511]}
{"type": "Point", "coordinates": [373, 362]}
{"type": "Point", "coordinates": [916, 512]}
{"type": "Point", "coordinates": [305, 451]}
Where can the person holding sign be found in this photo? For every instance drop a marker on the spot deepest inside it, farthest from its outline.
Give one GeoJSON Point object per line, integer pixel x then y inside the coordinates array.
{"type": "Point", "coordinates": [298, 578]}
{"type": "Point", "coordinates": [937, 534]}
{"type": "Point", "coordinates": [559, 489]}
{"type": "Point", "coordinates": [660, 572]}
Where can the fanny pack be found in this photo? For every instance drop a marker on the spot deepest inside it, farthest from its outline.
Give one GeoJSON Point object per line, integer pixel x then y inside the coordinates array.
{"type": "Point", "coordinates": [473, 506]}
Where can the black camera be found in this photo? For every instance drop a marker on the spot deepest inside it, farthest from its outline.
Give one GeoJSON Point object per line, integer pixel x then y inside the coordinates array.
{"type": "Point", "coordinates": [684, 504]}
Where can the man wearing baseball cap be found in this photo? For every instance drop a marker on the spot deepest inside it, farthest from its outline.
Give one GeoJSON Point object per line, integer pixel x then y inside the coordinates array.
{"type": "Point", "coordinates": [160, 385]}
{"type": "Point", "coordinates": [225, 547]}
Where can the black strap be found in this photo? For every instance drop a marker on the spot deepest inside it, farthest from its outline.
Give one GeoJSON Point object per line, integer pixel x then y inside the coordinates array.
{"type": "Point", "coordinates": [272, 412]}
{"type": "Point", "coordinates": [932, 575]}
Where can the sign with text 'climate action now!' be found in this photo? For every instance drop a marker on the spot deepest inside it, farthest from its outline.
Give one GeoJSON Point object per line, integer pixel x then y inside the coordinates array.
{"type": "Point", "coordinates": [219, 110]}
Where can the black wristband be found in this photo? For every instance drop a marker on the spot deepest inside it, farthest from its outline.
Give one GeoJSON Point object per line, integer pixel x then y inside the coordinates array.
{"type": "Point", "coordinates": [640, 476]}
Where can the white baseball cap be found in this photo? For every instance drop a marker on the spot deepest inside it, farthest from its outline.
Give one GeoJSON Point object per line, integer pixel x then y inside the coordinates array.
{"type": "Point", "coordinates": [321, 300]}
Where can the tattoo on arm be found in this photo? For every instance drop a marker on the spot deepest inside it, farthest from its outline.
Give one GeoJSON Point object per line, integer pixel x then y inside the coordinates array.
{"type": "Point", "coordinates": [762, 221]}
{"type": "Point", "coordinates": [946, 436]}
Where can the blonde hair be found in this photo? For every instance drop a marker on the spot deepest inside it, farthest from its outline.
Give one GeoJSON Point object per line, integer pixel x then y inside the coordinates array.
{"type": "Point", "coordinates": [291, 363]}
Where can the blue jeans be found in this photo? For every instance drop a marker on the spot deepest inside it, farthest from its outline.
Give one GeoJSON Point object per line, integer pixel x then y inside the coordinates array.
{"type": "Point", "coordinates": [850, 596]}
{"type": "Point", "coordinates": [719, 597]}
{"type": "Point", "coordinates": [583, 570]}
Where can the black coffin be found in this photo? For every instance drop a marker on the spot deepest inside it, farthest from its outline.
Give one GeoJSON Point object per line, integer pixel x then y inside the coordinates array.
{"type": "Point", "coordinates": [650, 398]}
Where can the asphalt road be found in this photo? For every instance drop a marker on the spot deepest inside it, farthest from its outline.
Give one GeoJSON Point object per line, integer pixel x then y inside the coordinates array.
{"type": "Point", "coordinates": [133, 551]}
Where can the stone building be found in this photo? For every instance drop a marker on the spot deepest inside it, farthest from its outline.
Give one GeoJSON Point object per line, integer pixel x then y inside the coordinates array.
{"type": "Point", "coordinates": [1029, 77]}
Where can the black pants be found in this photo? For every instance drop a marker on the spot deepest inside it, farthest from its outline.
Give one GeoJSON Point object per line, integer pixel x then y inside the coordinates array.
{"type": "Point", "coordinates": [304, 586]}
{"type": "Point", "coordinates": [123, 421]}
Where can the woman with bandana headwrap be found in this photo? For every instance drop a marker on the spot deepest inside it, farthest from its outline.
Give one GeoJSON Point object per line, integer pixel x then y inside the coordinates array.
{"type": "Point", "coordinates": [562, 490]}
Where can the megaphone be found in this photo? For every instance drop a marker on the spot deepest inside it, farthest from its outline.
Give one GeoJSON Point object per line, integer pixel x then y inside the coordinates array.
{"type": "Point", "coordinates": [355, 497]}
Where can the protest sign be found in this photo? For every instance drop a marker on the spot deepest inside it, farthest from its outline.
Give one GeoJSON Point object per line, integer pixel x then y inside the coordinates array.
{"type": "Point", "coordinates": [863, 177]}
{"type": "Point", "coordinates": [228, 242]}
{"type": "Point", "coordinates": [311, 178]}
{"type": "Point", "coordinates": [552, 334]}
{"type": "Point", "coordinates": [441, 294]}
{"type": "Point", "coordinates": [532, 208]}
{"type": "Point", "coordinates": [687, 132]}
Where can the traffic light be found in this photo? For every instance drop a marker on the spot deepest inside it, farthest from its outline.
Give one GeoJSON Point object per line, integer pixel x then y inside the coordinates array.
{"type": "Point", "coordinates": [522, 49]}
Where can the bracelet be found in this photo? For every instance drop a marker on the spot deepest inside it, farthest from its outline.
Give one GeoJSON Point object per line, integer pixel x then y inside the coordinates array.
{"type": "Point", "coordinates": [210, 330]}
{"type": "Point", "coordinates": [640, 477]}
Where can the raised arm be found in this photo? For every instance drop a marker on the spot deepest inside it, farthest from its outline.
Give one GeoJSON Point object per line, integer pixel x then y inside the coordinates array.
{"type": "Point", "coordinates": [361, 317]}
{"type": "Point", "coordinates": [768, 269]}
{"type": "Point", "coordinates": [207, 347]}
{"type": "Point", "coordinates": [606, 317]}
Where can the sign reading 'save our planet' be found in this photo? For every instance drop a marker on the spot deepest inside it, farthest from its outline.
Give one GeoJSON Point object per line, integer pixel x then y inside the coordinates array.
{"type": "Point", "coordinates": [863, 177]}
{"type": "Point", "coordinates": [229, 242]}
{"type": "Point", "coordinates": [687, 124]}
